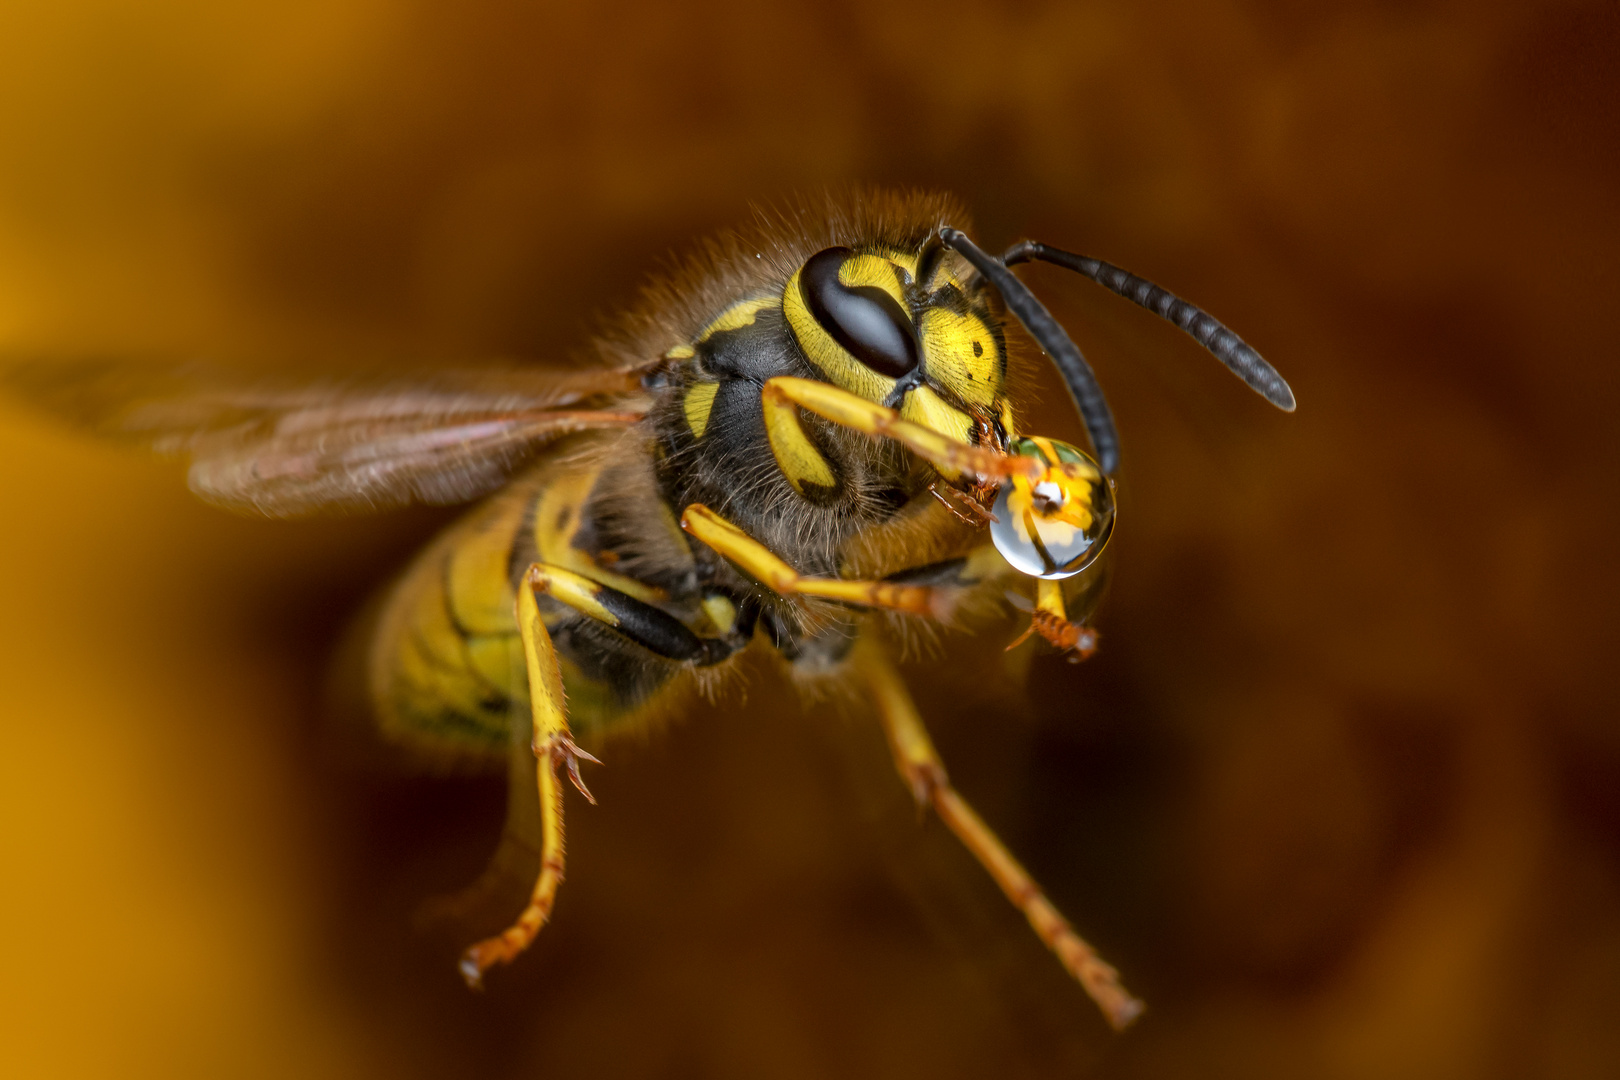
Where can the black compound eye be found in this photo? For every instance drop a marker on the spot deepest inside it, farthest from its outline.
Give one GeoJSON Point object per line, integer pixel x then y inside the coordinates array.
{"type": "Point", "coordinates": [864, 319]}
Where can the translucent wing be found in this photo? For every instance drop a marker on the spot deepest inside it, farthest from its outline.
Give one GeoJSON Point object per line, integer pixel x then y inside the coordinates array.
{"type": "Point", "coordinates": [354, 445]}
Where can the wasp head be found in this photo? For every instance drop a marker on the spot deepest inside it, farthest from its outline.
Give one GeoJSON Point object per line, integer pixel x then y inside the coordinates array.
{"type": "Point", "coordinates": [901, 329]}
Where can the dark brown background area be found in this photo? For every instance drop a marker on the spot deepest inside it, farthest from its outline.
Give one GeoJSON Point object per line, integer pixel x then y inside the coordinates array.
{"type": "Point", "coordinates": [1341, 794]}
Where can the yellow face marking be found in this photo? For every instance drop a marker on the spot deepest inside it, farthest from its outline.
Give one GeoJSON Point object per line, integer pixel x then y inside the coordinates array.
{"type": "Point", "coordinates": [874, 271]}
{"type": "Point", "coordinates": [737, 316]}
{"type": "Point", "coordinates": [923, 406]}
{"type": "Point", "coordinates": [906, 260]}
{"type": "Point", "coordinates": [961, 355]}
{"type": "Point", "coordinates": [699, 402]}
{"type": "Point", "coordinates": [826, 354]}
{"type": "Point", "coordinates": [943, 275]}
{"type": "Point", "coordinates": [1007, 424]}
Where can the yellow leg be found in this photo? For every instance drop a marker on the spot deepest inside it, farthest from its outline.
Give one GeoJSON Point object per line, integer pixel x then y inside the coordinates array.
{"type": "Point", "coordinates": [1051, 621]}
{"type": "Point", "coordinates": [920, 766]}
{"type": "Point", "coordinates": [760, 563]}
{"type": "Point", "coordinates": [784, 393]}
{"type": "Point", "coordinates": [552, 745]}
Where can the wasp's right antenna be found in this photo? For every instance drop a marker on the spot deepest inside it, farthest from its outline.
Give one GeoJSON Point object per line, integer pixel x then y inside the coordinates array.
{"type": "Point", "coordinates": [1050, 336]}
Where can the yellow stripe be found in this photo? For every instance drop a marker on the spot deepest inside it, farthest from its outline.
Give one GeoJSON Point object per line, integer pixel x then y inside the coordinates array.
{"type": "Point", "coordinates": [948, 341]}
{"type": "Point", "coordinates": [737, 316]}
{"type": "Point", "coordinates": [557, 519]}
{"type": "Point", "coordinates": [825, 353]}
{"type": "Point", "coordinates": [480, 590]}
{"type": "Point", "coordinates": [926, 408]}
{"type": "Point", "coordinates": [698, 403]}
{"type": "Point", "coordinates": [875, 271]}
{"type": "Point", "coordinates": [906, 260]}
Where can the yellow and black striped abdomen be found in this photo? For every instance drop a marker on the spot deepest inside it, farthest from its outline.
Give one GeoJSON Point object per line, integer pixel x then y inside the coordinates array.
{"type": "Point", "coordinates": [447, 668]}
{"type": "Point", "coordinates": [446, 662]}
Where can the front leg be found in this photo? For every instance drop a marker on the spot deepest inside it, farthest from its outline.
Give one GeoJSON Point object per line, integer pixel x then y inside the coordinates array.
{"type": "Point", "coordinates": [801, 462]}
{"type": "Point", "coordinates": [764, 566]}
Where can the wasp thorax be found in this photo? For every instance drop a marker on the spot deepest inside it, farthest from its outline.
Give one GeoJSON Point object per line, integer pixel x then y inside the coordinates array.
{"type": "Point", "coordinates": [1054, 524]}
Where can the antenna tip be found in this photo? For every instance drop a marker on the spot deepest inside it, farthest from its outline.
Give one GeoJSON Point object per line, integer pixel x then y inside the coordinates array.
{"type": "Point", "coordinates": [1282, 396]}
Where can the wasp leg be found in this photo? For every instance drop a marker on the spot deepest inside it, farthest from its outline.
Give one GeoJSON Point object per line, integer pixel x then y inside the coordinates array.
{"type": "Point", "coordinates": [553, 745]}
{"type": "Point", "coordinates": [652, 628]}
{"type": "Point", "coordinates": [759, 562]}
{"type": "Point", "coordinates": [1051, 621]}
{"type": "Point", "coordinates": [784, 395]}
{"type": "Point", "coordinates": [920, 766]}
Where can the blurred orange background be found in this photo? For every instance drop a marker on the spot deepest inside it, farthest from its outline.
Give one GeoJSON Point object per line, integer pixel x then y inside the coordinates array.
{"type": "Point", "coordinates": [1341, 793]}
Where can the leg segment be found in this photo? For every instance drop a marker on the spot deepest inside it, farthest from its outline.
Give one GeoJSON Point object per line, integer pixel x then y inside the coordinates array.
{"type": "Point", "coordinates": [553, 745]}
{"type": "Point", "coordinates": [759, 562]}
{"type": "Point", "coordinates": [652, 628]}
{"type": "Point", "coordinates": [920, 766]}
{"type": "Point", "coordinates": [784, 394]}
{"type": "Point", "coordinates": [1051, 621]}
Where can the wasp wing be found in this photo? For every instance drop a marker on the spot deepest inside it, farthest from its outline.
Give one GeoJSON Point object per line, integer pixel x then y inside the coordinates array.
{"type": "Point", "coordinates": [360, 444]}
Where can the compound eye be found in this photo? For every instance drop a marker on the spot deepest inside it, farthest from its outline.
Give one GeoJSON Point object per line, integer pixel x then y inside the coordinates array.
{"type": "Point", "coordinates": [864, 319]}
{"type": "Point", "coordinates": [1055, 525]}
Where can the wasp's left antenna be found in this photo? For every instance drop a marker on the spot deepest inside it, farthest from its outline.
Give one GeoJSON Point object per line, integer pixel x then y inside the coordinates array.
{"type": "Point", "coordinates": [1228, 348]}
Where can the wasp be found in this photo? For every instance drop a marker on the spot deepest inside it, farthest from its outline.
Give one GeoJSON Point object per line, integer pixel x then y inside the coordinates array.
{"type": "Point", "coordinates": [803, 443]}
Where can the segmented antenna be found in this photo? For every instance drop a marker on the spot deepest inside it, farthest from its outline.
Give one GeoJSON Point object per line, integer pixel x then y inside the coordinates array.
{"type": "Point", "coordinates": [1051, 337]}
{"type": "Point", "coordinates": [1228, 348]}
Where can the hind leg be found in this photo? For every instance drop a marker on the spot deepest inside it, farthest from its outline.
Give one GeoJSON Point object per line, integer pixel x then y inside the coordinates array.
{"type": "Point", "coordinates": [553, 746]}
